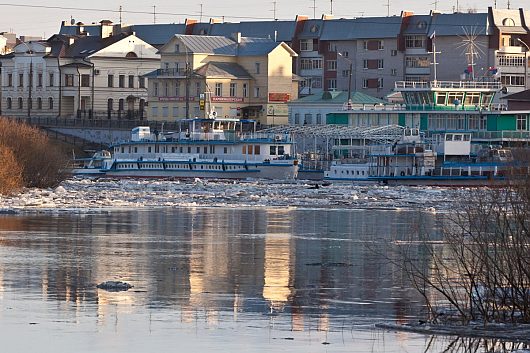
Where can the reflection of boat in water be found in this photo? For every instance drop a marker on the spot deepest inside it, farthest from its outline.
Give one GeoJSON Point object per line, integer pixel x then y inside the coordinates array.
{"type": "Point", "coordinates": [204, 148]}
{"type": "Point", "coordinates": [445, 159]}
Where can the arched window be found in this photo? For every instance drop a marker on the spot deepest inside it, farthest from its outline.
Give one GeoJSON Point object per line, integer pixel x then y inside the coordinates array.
{"type": "Point", "coordinates": [9, 103]}
{"type": "Point", "coordinates": [20, 103]}
{"type": "Point", "coordinates": [39, 103]}
{"type": "Point", "coordinates": [131, 55]}
{"type": "Point", "coordinates": [121, 104]}
{"type": "Point", "coordinates": [50, 103]}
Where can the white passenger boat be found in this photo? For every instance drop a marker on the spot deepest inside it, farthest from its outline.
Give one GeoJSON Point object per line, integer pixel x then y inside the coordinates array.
{"type": "Point", "coordinates": [444, 160]}
{"type": "Point", "coordinates": [203, 148]}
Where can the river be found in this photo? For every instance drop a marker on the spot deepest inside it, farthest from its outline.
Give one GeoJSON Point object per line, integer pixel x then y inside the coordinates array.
{"type": "Point", "coordinates": [206, 278]}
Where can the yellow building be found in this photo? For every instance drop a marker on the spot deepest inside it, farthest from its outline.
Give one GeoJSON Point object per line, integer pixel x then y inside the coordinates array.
{"type": "Point", "coordinates": [240, 77]}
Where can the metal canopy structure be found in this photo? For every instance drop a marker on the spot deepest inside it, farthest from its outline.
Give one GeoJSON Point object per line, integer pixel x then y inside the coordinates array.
{"type": "Point", "coordinates": [379, 134]}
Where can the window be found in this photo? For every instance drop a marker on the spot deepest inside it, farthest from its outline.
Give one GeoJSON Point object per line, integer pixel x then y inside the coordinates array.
{"type": "Point", "coordinates": [39, 103]}
{"type": "Point", "coordinates": [332, 65]}
{"type": "Point", "coordinates": [20, 103]}
{"type": "Point", "coordinates": [522, 122]}
{"type": "Point", "coordinates": [141, 82]}
{"type": "Point", "coordinates": [121, 104]}
{"type": "Point", "coordinates": [20, 80]}
{"type": "Point", "coordinates": [365, 83]}
{"type": "Point", "coordinates": [257, 149]}
{"type": "Point", "coordinates": [256, 92]}
{"type": "Point", "coordinates": [177, 89]}
{"type": "Point", "coordinates": [373, 45]}
{"type": "Point", "coordinates": [393, 52]}
{"type": "Point", "coordinates": [69, 80]}
{"type": "Point", "coordinates": [154, 111]}
{"type": "Point", "coordinates": [414, 41]}
{"type": "Point", "coordinates": [258, 66]}
{"type": "Point", "coordinates": [245, 90]}
{"type": "Point", "coordinates": [297, 118]}
{"type": "Point", "coordinates": [110, 81]}
{"type": "Point", "coordinates": [131, 81]}
{"type": "Point", "coordinates": [155, 89]}
{"type": "Point", "coordinates": [233, 89]}
{"type": "Point", "coordinates": [165, 112]}
{"type": "Point", "coordinates": [345, 54]}
{"type": "Point", "coordinates": [308, 118]}
{"type": "Point", "coordinates": [51, 79]}
{"type": "Point", "coordinates": [319, 118]}
{"type": "Point", "coordinates": [332, 84]}
{"type": "Point", "coordinates": [50, 103]}
{"type": "Point", "coordinates": [39, 80]}
{"type": "Point", "coordinates": [121, 81]}
{"type": "Point", "coordinates": [345, 73]}
{"type": "Point", "coordinates": [177, 48]}
{"type": "Point", "coordinates": [393, 72]}
{"type": "Point", "coordinates": [380, 64]}
{"type": "Point", "coordinates": [166, 89]}
{"type": "Point", "coordinates": [10, 80]}
{"type": "Point", "coordinates": [198, 89]}
{"type": "Point", "coordinates": [85, 80]}
{"type": "Point", "coordinates": [512, 80]}
{"type": "Point", "coordinates": [306, 45]}
{"type": "Point", "coordinates": [417, 61]}
{"type": "Point", "coordinates": [218, 89]}
{"type": "Point", "coordinates": [110, 104]}
{"type": "Point", "coordinates": [9, 103]}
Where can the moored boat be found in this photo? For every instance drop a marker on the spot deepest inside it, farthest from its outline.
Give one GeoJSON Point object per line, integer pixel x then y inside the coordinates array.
{"type": "Point", "coordinates": [202, 148]}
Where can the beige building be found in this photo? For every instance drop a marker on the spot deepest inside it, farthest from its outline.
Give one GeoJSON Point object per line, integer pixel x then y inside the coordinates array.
{"type": "Point", "coordinates": [240, 77]}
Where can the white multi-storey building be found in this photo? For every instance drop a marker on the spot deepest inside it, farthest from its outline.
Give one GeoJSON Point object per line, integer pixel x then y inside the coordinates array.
{"type": "Point", "coordinates": [78, 76]}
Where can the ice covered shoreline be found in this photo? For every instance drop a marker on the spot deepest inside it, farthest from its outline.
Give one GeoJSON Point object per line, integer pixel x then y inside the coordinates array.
{"type": "Point", "coordinates": [82, 195]}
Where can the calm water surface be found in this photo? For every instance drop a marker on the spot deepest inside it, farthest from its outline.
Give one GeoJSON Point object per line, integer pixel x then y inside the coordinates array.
{"type": "Point", "coordinates": [209, 279]}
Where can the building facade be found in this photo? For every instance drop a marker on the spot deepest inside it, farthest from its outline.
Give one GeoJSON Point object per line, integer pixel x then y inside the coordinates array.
{"type": "Point", "coordinates": [78, 76]}
{"type": "Point", "coordinates": [237, 77]}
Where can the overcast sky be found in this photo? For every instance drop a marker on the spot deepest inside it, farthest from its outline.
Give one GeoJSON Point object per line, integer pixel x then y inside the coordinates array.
{"type": "Point", "coordinates": [29, 19]}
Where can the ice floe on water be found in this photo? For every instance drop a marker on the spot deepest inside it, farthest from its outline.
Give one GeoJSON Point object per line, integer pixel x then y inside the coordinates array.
{"type": "Point", "coordinates": [81, 195]}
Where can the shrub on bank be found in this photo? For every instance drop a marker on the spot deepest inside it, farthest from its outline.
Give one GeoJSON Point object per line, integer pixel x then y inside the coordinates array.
{"type": "Point", "coordinates": [38, 162]}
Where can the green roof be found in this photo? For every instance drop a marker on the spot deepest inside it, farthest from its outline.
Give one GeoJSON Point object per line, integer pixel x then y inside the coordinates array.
{"type": "Point", "coordinates": [338, 97]}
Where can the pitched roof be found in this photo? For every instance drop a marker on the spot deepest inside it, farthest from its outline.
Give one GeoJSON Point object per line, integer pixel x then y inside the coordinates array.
{"type": "Point", "coordinates": [338, 97]}
{"type": "Point", "coordinates": [85, 46]}
{"type": "Point", "coordinates": [158, 34]}
{"type": "Point", "coordinates": [223, 70]}
{"type": "Point", "coordinates": [460, 24]}
{"type": "Point", "coordinates": [361, 28]}
{"type": "Point", "coordinates": [519, 96]}
{"type": "Point", "coordinates": [283, 31]}
{"type": "Point", "coordinates": [218, 45]}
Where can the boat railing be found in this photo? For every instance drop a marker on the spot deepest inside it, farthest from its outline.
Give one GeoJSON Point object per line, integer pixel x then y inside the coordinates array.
{"type": "Point", "coordinates": [502, 135]}
{"type": "Point", "coordinates": [490, 85]}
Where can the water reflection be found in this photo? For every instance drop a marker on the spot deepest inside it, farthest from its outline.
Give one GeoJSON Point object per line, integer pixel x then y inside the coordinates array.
{"type": "Point", "coordinates": [294, 270]}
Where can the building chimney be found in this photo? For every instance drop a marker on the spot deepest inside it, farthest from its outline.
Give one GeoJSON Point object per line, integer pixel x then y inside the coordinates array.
{"type": "Point", "coordinates": [106, 28]}
{"type": "Point", "coordinates": [237, 37]}
{"type": "Point", "coordinates": [71, 40]}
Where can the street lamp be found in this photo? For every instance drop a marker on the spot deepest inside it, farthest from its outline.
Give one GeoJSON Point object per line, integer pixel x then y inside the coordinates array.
{"type": "Point", "coordinates": [349, 78]}
{"type": "Point", "coordinates": [525, 62]}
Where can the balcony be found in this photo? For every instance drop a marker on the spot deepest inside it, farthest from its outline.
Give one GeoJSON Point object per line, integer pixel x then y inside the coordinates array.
{"type": "Point", "coordinates": [460, 85]}
{"type": "Point", "coordinates": [180, 72]}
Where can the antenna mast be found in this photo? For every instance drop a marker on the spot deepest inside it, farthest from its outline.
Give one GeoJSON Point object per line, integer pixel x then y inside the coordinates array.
{"type": "Point", "coordinates": [314, 7]}
{"type": "Point", "coordinates": [154, 14]}
{"type": "Point", "coordinates": [274, 10]}
{"type": "Point", "coordinates": [331, 7]}
{"type": "Point", "coordinates": [200, 19]}
{"type": "Point", "coordinates": [434, 52]}
{"type": "Point", "coordinates": [387, 8]}
{"type": "Point", "coordinates": [120, 14]}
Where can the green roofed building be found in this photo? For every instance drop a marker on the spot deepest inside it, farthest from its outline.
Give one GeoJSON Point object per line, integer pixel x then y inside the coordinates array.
{"type": "Point", "coordinates": [315, 109]}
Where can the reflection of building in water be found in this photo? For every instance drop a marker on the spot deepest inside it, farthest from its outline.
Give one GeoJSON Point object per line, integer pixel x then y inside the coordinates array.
{"type": "Point", "coordinates": [278, 259]}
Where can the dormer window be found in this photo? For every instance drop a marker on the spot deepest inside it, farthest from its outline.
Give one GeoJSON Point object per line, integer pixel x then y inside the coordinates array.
{"type": "Point", "coordinates": [177, 48]}
{"type": "Point", "coordinates": [508, 22]}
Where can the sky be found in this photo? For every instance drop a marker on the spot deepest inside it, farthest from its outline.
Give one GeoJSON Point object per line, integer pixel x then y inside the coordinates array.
{"type": "Point", "coordinates": [43, 17]}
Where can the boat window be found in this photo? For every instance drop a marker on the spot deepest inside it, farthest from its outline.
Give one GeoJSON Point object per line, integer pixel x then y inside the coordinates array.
{"type": "Point", "coordinates": [257, 149]}
{"type": "Point", "coordinates": [458, 137]}
{"type": "Point", "coordinates": [198, 149]}
{"type": "Point", "coordinates": [357, 172]}
{"type": "Point", "coordinates": [249, 149]}
{"type": "Point", "coordinates": [407, 132]}
{"type": "Point", "coordinates": [273, 151]}
{"type": "Point", "coordinates": [225, 150]}
{"type": "Point", "coordinates": [281, 150]}
{"type": "Point", "coordinates": [149, 149]}
{"type": "Point", "coordinates": [205, 149]}
{"type": "Point", "coordinates": [449, 137]}
{"type": "Point", "coordinates": [122, 150]}
{"type": "Point", "coordinates": [244, 149]}
{"type": "Point", "coordinates": [362, 172]}
{"type": "Point", "coordinates": [136, 150]}
{"type": "Point", "coordinates": [440, 98]}
{"type": "Point", "coordinates": [467, 137]}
